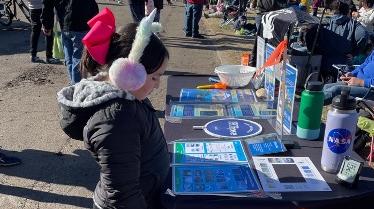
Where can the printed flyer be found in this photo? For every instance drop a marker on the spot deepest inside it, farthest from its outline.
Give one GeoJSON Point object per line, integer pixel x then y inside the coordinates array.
{"type": "Point", "coordinates": [269, 75]}
{"type": "Point", "coordinates": [289, 174]}
{"type": "Point", "coordinates": [216, 95]}
{"type": "Point", "coordinates": [260, 59]}
{"type": "Point", "coordinates": [209, 151]}
{"type": "Point", "coordinates": [265, 144]}
{"type": "Point", "coordinates": [213, 179]}
{"type": "Point", "coordinates": [255, 110]}
{"type": "Point", "coordinates": [285, 108]}
{"type": "Point", "coordinates": [198, 110]}
{"type": "Point", "coordinates": [212, 167]}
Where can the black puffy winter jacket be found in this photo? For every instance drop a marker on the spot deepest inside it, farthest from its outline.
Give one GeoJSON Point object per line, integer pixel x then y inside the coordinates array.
{"type": "Point", "coordinates": [125, 138]}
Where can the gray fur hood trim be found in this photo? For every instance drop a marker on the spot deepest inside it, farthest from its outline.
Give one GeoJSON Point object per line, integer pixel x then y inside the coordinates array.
{"type": "Point", "coordinates": [89, 93]}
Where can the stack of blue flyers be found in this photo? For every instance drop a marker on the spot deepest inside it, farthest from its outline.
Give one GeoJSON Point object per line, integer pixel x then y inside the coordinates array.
{"type": "Point", "coordinates": [193, 110]}
{"type": "Point", "coordinates": [212, 167]}
{"type": "Point", "coordinates": [216, 95]}
{"type": "Point", "coordinates": [256, 110]}
{"type": "Point", "coordinates": [198, 110]}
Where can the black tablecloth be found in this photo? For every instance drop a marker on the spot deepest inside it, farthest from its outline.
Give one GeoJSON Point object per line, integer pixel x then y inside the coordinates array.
{"type": "Point", "coordinates": [340, 197]}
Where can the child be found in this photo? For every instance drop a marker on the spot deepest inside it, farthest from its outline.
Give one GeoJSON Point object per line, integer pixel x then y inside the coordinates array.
{"type": "Point", "coordinates": [111, 113]}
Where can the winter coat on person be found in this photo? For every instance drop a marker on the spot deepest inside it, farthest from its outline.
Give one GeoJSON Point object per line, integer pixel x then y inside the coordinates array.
{"type": "Point", "coordinates": [124, 136]}
{"type": "Point", "coordinates": [270, 5]}
{"type": "Point", "coordinates": [34, 4]}
{"type": "Point", "coordinates": [73, 14]}
{"type": "Point", "coordinates": [342, 37]}
{"type": "Point", "coordinates": [159, 4]}
{"type": "Point", "coordinates": [365, 71]}
{"type": "Point", "coordinates": [50, 6]}
{"type": "Point", "coordinates": [366, 18]}
{"type": "Point", "coordinates": [77, 14]}
{"type": "Point", "coordinates": [351, 38]}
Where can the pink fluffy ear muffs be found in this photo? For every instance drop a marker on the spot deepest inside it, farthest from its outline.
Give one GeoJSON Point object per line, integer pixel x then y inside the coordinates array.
{"type": "Point", "coordinates": [128, 73]}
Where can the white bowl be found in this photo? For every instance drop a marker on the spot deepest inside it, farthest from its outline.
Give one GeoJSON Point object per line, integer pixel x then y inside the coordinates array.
{"type": "Point", "coordinates": [235, 75]}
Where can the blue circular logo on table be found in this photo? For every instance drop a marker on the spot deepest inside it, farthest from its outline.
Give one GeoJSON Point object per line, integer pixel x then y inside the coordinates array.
{"type": "Point", "coordinates": [339, 140]}
{"type": "Point", "coordinates": [232, 128]}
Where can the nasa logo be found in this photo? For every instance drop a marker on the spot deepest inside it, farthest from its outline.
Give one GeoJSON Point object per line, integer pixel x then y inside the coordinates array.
{"type": "Point", "coordinates": [339, 140]}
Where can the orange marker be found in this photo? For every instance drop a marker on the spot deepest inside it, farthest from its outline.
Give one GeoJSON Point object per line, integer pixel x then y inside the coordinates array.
{"type": "Point", "coordinates": [213, 86]}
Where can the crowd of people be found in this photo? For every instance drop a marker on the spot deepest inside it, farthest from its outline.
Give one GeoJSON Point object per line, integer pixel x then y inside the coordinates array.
{"type": "Point", "coordinates": [113, 70]}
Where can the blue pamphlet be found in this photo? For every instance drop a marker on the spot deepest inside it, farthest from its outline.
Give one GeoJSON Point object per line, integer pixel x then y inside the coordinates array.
{"type": "Point", "coordinates": [198, 110]}
{"type": "Point", "coordinates": [212, 167]}
{"type": "Point", "coordinates": [216, 95]}
{"type": "Point", "coordinates": [210, 179]}
{"type": "Point", "coordinates": [265, 144]}
{"type": "Point", "coordinates": [240, 110]}
{"type": "Point", "coordinates": [195, 152]}
{"type": "Point", "coordinates": [256, 110]}
{"type": "Point", "coordinates": [192, 110]}
{"type": "Point", "coordinates": [264, 148]}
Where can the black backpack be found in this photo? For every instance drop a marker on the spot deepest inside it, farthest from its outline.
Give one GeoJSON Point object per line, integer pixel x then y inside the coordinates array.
{"type": "Point", "coordinates": [271, 5]}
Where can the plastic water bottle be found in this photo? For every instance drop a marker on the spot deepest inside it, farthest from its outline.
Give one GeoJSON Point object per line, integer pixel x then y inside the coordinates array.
{"type": "Point", "coordinates": [309, 120]}
{"type": "Point", "coordinates": [340, 131]}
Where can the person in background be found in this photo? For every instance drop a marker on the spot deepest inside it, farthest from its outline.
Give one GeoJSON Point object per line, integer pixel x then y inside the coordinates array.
{"type": "Point", "coordinates": [137, 9]}
{"type": "Point", "coordinates": [194, 11]}
{"type": "Point", "coordinates": [36, 7]}
{"type": "Point", "coordinates": [215, 10]}
{"type": "Point", "coordinates": [9, 161]}
{"type": "Point", "coordinates": [159, 5]}
{"type": "Point", "coordinates": [339, 41]}
{"type": "Point", "coordinates": [263, 6]}
{"type": "Point", "coordinates": [365, 15]}
{"type": "Point", "coordinates": [352, 8]}
{"type": "Point", "coordinates": [360, 58]}
{"type": "Point", "coordinates": [48, 13]}
{"type": "Point", "coordinates": [110, 111]}
{"type": "Point", "coordinates": [74, 29]}
{"type": "Point", "coordinates": [359, 80]}
{"type": "Point", "coordinates": [315, 5]}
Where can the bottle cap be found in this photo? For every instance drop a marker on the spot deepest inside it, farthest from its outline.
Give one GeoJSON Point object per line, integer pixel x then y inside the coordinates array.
{"type": "Point", "coordinates": [344, 101]}
{"type": "Point", "coordinates": [314, 86]}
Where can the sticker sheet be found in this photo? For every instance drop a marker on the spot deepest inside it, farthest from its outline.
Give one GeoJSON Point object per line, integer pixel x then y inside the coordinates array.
{"type": "Point", "coordinates": [289, 174]}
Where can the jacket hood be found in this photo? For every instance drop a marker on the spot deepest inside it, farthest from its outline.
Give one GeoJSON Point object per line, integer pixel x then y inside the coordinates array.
{"type": "Point", "coordinates": [80, 101]}
{"type": "Point", "coordinates": [341, 19]}
{"type": "Point", "coordinates": [89, 93]}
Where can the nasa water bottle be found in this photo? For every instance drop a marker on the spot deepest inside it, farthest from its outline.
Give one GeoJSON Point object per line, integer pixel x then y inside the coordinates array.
{"type": "Point", "coordinates": [340, 131]}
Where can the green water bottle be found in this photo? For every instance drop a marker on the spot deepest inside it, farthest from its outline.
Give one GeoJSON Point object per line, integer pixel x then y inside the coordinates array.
{"type": "Point", "coordinates": [309, 120]}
